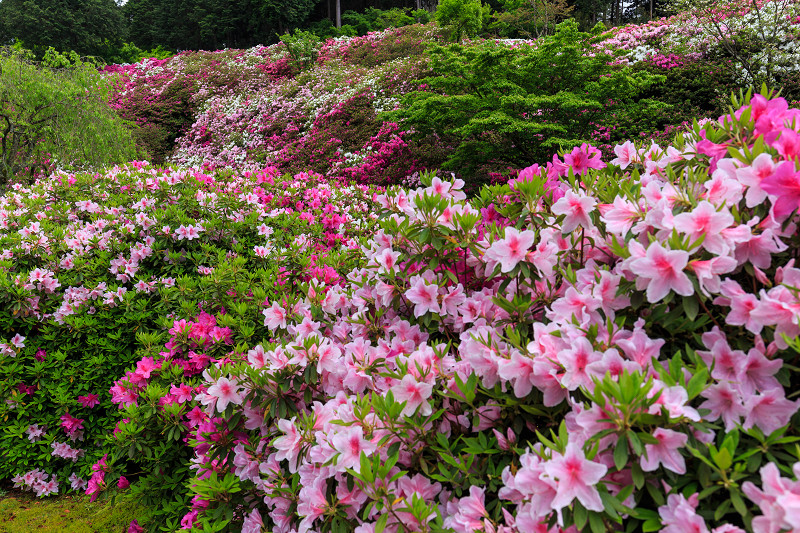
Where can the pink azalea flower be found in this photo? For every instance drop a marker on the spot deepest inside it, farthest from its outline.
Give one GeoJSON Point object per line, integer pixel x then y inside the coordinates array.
{"type": "Point", "coordinates": [145, 367]}
{"type": "Point", "coordinates": [626, 154]}
{"type": "Point", "coordinates": [752, 175]}
{"type": "Point", "coordinates": [706, 221]}
{"type": "Point", "coordinates": [582, 158]}
{"type": "Point", "coordinates": [724, 402]}
{"type": "Point", "coordinates": [680, 516]}
{"type": "Point", "coordinates": [18, 341]}
{"type": "Point", "coordinates": [665, 452]}
{"type": "Point", "coordinates": [575, 361]}
{"type": "Point", "coordinates": [415, 394]}
{"type": "Point", "coordinates": [768, 411]}
{"type": "Point", "coordinates": [312, 503]}
{"type": "Point", "coordinates": [90, 400]}
{"type": "Point", "coordinates": [182, 393]}
{"type": "Point", "coordinates": [574, 477]}
{"type": "Point", "coordinates": [620, 215]}
{"type": "Point", "coordinates": [387, 261]}
{"type": "Point", "coordinates": [350, 443]}
{"type": "Point", "coordinates": [664, 270]}
{"type": "Point", "coordinates": [470, 513]}
{"type": "Point", "coordinates": [226, 391]}
{"type": "Point", "coordinates": [511, 249]}
{"type": "Point", "coordinates": [576, 209]}
{"type": "Point", "coordinates": [288, 445]}
{"type": "Point", "coordinates": [425, 297]}
{"type": "Point", "coordinates": [784, 186]}
{"type": "Point", "coordinates": [274, 317]}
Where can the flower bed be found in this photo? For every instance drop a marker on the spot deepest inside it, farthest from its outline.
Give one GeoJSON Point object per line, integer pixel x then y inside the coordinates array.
{"type": "Point", "coordinates": [594, 344]}
{"type": "Point", "coordinates": [95, 265]}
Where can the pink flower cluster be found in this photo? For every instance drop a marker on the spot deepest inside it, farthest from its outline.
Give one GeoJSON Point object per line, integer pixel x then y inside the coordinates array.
{"type": "Point", "coordinates": [582, 257]}
{"type": "Point", "coordinates": [38, 481]}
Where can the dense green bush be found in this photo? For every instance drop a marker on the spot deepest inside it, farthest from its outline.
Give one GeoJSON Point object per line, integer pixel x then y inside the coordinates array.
{"type": "Point", "coordinates": [462, 17]}
{"type": "Point", "coordinates": [502, 106]}
{"type": "Point", "coordinates": [54, 113]}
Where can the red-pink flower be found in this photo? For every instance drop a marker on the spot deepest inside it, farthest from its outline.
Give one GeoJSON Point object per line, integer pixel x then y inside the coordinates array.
{"type": "Point", "coordinates": [90, 400]}
{"type": "Point", "coordinates": [583, 158]}
{"type": "Point", "coordinates": [784, 186]}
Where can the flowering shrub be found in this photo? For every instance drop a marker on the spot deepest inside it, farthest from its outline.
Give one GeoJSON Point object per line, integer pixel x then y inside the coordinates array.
{"type": "Point", "coordinates": [251, 108]}
{"type": "Point", "coordinates": [595, 344]}
{"type": "Point", "coordinates": [162, 96]}
{"type": "Point", "coordinates": [323, 119]}
{"type": "Point", "coordinates": [95, 266]}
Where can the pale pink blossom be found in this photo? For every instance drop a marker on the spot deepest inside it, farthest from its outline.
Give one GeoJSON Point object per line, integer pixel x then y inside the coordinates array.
{"type": "Point", "coordinates": [576, 209]}
{"type": "Point", "coordinates": [226, 391]}
{"type": "Point", "coordinates": [663, 268]}
{"type": "Point", "coordinates": [511, 249]}
{"type": "Point", "coordinates": [574, 477]}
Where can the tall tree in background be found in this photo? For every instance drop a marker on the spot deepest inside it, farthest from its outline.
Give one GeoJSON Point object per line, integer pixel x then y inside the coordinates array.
{"type": "Point", "coordinates": [212, 24]}
{"type": "Point", "coordinates": [89, 27]}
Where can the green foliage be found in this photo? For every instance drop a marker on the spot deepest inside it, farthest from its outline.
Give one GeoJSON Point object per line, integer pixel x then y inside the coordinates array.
{"type": "Point", "coordinates": [530, 18]}
{"type": "Point", "coordinates": [372, 19]}
{"type": "Point", "coordinates": [130, 53]}
{"type": "Point", "coordinates": [55, 113]}
{"type": "Point", "coordinates": [212, 24]}
{"type": "Point", "coordinates": [462, 17]}
{"type": "Point", "coordinates": [498, 106]}
{"type": "Point", "coordinates": [303, 47]}
{"type": "Point", "coordinates": [89, 27]}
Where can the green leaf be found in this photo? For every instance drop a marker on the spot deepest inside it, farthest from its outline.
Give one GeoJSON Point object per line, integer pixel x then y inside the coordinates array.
{"type": "Point", "coordinates": [580, 515]}
{"type": "Point", "coordinates": [621, 454]}
{"type": "Point", "coordinates": [691, 306]}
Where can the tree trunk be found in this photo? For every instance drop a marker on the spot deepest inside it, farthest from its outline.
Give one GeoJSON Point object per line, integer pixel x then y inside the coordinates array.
{"type": "Point", "coordinates": [338, 13]}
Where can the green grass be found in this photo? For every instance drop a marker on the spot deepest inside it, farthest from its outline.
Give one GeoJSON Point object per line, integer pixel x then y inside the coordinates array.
{"type": "Point", "coordinates": [22, 512]}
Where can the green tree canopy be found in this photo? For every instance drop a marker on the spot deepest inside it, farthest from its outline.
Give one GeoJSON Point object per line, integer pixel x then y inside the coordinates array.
{"type": "Point", "coordinates": [212, 24]}
{"type": "Point", "coordinates": [88, 27]}
{"type": "Point", "coordinates": [56, 113]}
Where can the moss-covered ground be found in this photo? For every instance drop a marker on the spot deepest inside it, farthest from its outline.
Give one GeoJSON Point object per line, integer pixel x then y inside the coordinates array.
{"type": "Point", "coordinates": [22, 512]}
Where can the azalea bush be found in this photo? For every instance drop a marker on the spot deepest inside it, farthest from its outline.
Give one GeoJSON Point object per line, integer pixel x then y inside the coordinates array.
{"type": "Point", "coordinates": [251, 108]}
{"type": "Point", "coordinates": [94, 267]}
{"type": "Point", "coordinates": [162, 96]}
{"type": "Point", "coordinates": [324, 119]}
{"type": "Point", "coordinates": [595, 345]}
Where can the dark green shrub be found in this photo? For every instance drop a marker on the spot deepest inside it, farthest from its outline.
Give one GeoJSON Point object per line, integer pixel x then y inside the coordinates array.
{"type": "Point", "coordinates": [500, 106]}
